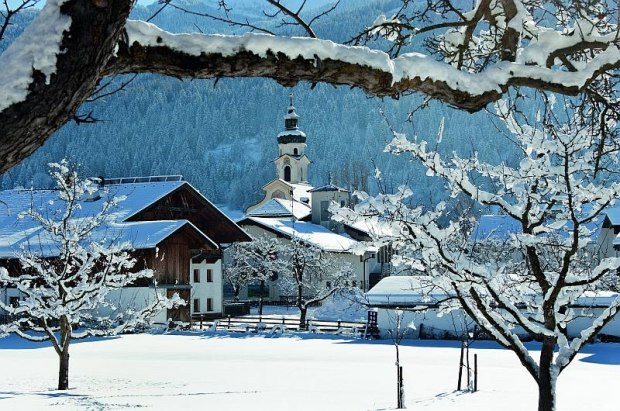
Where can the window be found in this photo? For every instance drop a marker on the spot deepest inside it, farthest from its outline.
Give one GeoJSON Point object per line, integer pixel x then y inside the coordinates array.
{"type": "Point", "coordinates": [287, 173]}
{"type": "Point", "coordinates": [209, 304]}
{"type": "Point", "coordinates": [196, 305]}
{"type": "Point", "coordinates": [295, 152]}
{"type": "Point", "coordinates": [14, 302]}
{"type": "Point", "coordinates": [342, 203]}
{"type": "Point", "coordinates": [209, 275]}
{"type": "Point", "coordinates": [196, 275]}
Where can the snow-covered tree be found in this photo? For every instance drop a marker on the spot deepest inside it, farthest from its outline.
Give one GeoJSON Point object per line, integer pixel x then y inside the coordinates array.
{"type": "Point", "coordinates": [312, 274]}
{"type": "Point", "coordinates": [526, 278]}
{"type": "Point", "coordinates": [65, 278]}
{"type": "Point", "coordinates": [252, 262]}
{"type": "Point", "coordinates": [468, 54]}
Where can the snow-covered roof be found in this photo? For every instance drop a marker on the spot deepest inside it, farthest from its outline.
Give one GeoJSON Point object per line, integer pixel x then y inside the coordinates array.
{"type": "Point", "coordinates": [300, 190]}
{"type": "Point", "coordinates": [613, 214]}
{"type": "Point", "coordinates": [291, 136]}
{"type": "Point", "coordinates": [293, 132]}
{"type": "Point", "coordinates": [406, 291]}
{"type": "Point", "coordinates": [596, 298]}
{"type": "Point", "coordinates": [17, 233]}
{"type": "Point", "coordinates": [328, 187]}
{"type": "Point", "coordinates": [373, 228]}
{"type": "Point", "coordinates": [278, 207]}
{"type": "Point", "coordinates": [311, 233]}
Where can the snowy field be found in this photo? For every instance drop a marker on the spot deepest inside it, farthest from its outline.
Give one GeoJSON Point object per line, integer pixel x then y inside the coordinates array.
{"type": "Point", "coordinates": [290, 372]}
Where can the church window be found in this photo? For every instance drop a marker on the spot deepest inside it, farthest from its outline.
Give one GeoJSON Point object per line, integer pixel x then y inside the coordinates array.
{"type": "Point", "coordinates": [295, 151]}
{"type": "Point", "coordinates": [287, 173]}
{"type": "Point", "coordinates": [278, 194]}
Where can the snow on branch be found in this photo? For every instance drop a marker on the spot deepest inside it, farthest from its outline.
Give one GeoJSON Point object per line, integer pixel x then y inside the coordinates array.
{"type": "Point", "coordinates": [478, 54]}
{"type": "Point", "coordinates": [150, 49]}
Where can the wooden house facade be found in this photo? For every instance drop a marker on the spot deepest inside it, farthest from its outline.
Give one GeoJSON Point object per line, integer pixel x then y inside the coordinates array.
{"type": "Point", "coordinates": [172, 228]}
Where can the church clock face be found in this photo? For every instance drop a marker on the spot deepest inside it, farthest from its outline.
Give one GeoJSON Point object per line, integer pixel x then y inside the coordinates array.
{"type": "Point", "coordinates": [278, 194]}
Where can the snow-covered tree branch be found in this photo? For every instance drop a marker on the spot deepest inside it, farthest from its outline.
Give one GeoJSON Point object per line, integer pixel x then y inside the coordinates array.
{"type": "Point", "coordinates": [255, 261]}
{"type": "Point", "coordinates": [537, 272]}
{"type": "Point", "coordinates": [55, 65]}
{"type": "Point", "coordinates": [312, 274]}
{"type": "Point", "coordinates": [66, 276]}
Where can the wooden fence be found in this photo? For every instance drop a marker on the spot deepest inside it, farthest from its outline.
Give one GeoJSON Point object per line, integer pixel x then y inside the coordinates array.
{"type": "Point", "coordinates": [273, 324]}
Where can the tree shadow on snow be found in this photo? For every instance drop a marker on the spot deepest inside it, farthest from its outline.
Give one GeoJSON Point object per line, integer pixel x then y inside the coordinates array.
{"type": "Point", "coordinates": [602, 353]}
{"type": "Point", "coordinates": [14, 342]}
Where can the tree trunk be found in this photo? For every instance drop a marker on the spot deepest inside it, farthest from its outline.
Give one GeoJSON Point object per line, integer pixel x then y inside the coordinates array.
{"type": "Point", "coordinates": [63, 353]}
{"type": "Point", "coordinates": [546, 378]}
{"type": "Point", "coordinates": [260, 300]}
{"type": "Point", "coordinates": [303, 309]}
{"type": "Point", "coordinates": [63, 371]}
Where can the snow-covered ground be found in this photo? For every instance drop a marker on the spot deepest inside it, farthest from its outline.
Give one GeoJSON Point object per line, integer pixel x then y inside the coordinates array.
{"type": "Point", "coordinates": [290, 372]}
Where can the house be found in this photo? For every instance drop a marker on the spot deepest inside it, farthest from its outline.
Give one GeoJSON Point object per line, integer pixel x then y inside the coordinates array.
{"type": "Point", "coordinates": [608, 239]}
{"type": "Point", "coordinates": [170, 226]}
{"type": "Point", "coordinates": [291, 207]}
{"type": "Point", "coordinates": [417, 299]}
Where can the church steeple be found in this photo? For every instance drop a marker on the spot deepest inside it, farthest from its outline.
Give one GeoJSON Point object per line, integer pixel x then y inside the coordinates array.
{"type": "Point", "coordinates": [291, 119]}
{"type": "Point", "coordinates": [291, 133]}
{"type": "Point", "coordinates": [292, 163]}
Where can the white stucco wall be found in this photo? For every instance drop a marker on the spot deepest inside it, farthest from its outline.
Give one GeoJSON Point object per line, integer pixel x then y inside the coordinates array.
{"type": "Point", "coordinates": [605, 242]}
{"type": "Point", "coordinates": [135, 298]}
{"type": "Point", "coordinates": [204, 289]}
{"type": "Point", "coordinates": [353, 259]}
{"type": "Point", "coordinates": [457, 322]}
{"type": "Point", "coordinates": [299, 168]}
{"type": "Point", "coordinates": [329, 196]}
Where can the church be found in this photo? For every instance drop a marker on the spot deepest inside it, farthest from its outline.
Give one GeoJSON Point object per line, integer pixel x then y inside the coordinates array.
{"type": "Point", "coordinates": [290, 195]}
{"type": "Point", "coordinates": [291, 207]}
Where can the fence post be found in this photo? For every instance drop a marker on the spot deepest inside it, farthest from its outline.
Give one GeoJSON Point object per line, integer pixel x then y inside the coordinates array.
{"type": "Point", "coordinates": [228, 327]}
{"type": "Point", "coordinates": [282, 320]}
{"type": "Point", "coordinates": [475, 372]}
{"type": "Point", "coordinates": [399, 387]}
{"type": "Point", "coordinates": [201, 317]}
{"type": "Point", "coordinates": [458, 387]}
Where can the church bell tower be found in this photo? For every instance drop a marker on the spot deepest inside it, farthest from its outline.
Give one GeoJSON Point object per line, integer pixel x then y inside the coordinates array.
{"type": "Point", "coordinates": [292, 163]}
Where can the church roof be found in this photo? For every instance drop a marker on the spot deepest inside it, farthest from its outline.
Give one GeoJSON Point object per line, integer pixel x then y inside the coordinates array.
{"type": "Point", "coordinates": [299, 190]}
{"type": "Point", "coordinates": [328, 187]}
{"type": "Point", "coordinates": [291, 136]}
{"type": "Point", "coordinates": [277, 207]}
{"type": "Point", "coordinates": [297, 157]}
{"type": "Point", "coordinates": [311, 233]}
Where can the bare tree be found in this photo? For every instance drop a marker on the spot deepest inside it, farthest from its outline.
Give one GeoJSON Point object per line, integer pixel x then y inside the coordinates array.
{"type": "Point", "coordinates": [255, 261]}
{"type": "Point", "coordinates": [474, 55]}
{"type": "Point", "coordinates": [527, 282]}
{"type": "Point", "coordinates": [313, 274]}
{"type": "Point", "coordinates": [64, 280]}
